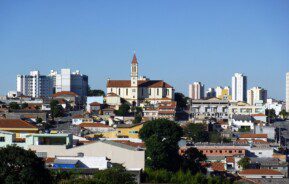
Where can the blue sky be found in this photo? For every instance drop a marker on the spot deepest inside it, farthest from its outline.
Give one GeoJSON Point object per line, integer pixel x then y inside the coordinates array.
{"type": "Point", "coordinates": [179, 41]}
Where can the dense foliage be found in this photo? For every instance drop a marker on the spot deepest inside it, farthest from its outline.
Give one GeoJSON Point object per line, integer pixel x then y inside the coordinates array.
{"type": "Point", "coordinates": [14, 106]}
{"type": "Point", "coordinates": [123, 110]}
{"type": "Point", "coordinates": [56, 109]}
{"type": "Point", "coordinates": [161, 138]}
{"type": "Point", "coordinates": [180, 177]}
{"type": "Point", "coordinates": [20, 166]}
{"type": "Point", "coordinates": [197, 132]}
{"type": "Point", "coordinates": [95, 92]}
{"type": "Point", "coordinates": [244, 162]}
{"type": "Point", "coordinates": [115, 175]}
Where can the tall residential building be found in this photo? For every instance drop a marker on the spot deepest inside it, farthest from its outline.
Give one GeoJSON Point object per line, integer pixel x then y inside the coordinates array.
{"type": "Point", "coordinates": [35, 85]}
{"type": "Point", "coordinates": [287, 92]}
{"type": "Point", "coordinates": [239, 87]}
{"type": "Point", "coordinates": [196, 91]}
{"type": "Point", "coordinates": [256, 95]}
{"type": "Point", "coordinates": [210, 93]}
{"type": "Point", "coordinates": [68, 81]}
{"type": "Point", "coordinates": [223, 93]}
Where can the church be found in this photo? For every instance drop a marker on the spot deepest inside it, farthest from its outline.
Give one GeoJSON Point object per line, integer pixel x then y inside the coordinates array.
{"type": "Point", "coordinates": [140, 90]}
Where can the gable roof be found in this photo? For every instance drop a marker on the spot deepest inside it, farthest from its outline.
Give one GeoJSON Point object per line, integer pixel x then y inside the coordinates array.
{"type": "Point", "coordinates": [15, 123]}
{"type": "Point", "coordinates": [94, 104]}
{"type": "Point", "coordinates": [65, 93]}
{"type": "Point", "coordinates": [217, 166]}
{"type": "Point", "coordinates": [253, 136]}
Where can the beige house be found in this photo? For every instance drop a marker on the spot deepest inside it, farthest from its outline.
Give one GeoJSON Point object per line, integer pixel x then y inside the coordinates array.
{"type": "Point", "coordinates": [140, 90]}
{"type": "Point", "coordinates": [133, 158]}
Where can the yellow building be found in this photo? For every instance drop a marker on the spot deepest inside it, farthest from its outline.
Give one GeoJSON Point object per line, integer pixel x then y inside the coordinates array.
{"type": "Point", "coordinates": [17, 126]}
{"type": "Point", "coordinates": [124, 131]}
{"type": "Point", "coordinates": [223, 93]}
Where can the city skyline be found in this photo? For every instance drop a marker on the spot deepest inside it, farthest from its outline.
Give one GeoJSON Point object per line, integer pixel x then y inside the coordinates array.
{"type": "Point", "coordinates": [208, 41]}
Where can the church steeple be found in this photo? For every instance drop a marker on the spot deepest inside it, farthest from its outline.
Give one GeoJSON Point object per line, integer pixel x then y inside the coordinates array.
{"type": "Point", "coordinates": [134, 71]}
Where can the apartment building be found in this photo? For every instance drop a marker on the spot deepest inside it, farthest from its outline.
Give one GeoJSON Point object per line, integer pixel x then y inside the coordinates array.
{"type": "Point", "coordinates": [239, 87]}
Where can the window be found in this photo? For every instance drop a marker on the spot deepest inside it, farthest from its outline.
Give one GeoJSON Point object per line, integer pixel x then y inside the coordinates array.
{"type": "Point", "coordinates": [168, 92]}
{"type": "Point", "coordinates": [133, 132]}
{"type": "Point", "coordinates": [158, 91]}
{"type": "Point", "coordinates": [2, 139]}
{"type": "Point", "coordinates": [150, 91]}
{"type": "Point", "coordinates": [126, 91]}
{"type": "Point", "coordinates": [119, 91]}
{"type": "Point", "coordinates": [142, 91]}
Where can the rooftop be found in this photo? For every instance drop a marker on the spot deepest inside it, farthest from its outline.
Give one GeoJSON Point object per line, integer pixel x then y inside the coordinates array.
{"type": "Point", "coordinates": [260, 172]}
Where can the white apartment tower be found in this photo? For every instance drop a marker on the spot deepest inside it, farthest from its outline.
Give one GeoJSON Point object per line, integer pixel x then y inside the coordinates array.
{"type": "Point", "coordinates": [256, 95]}
{"type": "Point", "coordinates": [35, 85]}
{"type": "Point", "coordinates": [287, 92]}
{"type": "Point", "coordinates": [239, 87]}
{"type": "Point", "coordinates": [70, 81]}
{"type": "Point", "coordinates": [196, 91]}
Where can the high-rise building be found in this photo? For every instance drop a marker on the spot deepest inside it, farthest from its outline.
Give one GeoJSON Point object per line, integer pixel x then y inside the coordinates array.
{"type": "Point", "coordinates": [287, 92]}
{"type": "Point", "coordinates": [223, 93]}
{"type": "Point", "coordinates": [239, 87]}
{"type": "Point", "coordinates": [256, 95]}
{"type": "Point", "coordinates": [210, 93]}
{"type": "Point", "coordinates": [35, 85]}
{"type": "Point", "coordinates": [196, 91]}
{"type": "Point", "coordinates": [67, 81]}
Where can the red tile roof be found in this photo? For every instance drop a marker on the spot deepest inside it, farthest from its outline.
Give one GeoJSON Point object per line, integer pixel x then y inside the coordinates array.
{"type": "Point", "coordinates": [94, 104]}
{"type": "Point", "coordinates": [217, 166]}
{"type": "Point", "coordinates": [260, 172]}
{"type": "Point", "coordinates": [258, 114]}
{"type": "Point", "coordinates": [15, 123]}
{"type": "Point", "coordinates": [230, 159]}
{"type": "Point", "coordinates": [134, 59]}
{"type": "Point", "coordinates": [95, 125]}
{"type": "Point", "coordinates": [253, 136]}
{"type": "Point", "coordinates": [65, 93]}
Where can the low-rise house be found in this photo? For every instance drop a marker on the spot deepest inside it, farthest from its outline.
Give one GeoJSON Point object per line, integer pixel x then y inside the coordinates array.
{"type": "Point", "coordinates": [211, 108]}
{"type": "Point", "coordinates": [261, 173]}
{"type": "Point", "coordinates": [245, 122]}
{"type": "Point", "coordinates": [79, 118]}
{"type": "Point", "coordinates": [124, 131]}
{"type": "Point", "coordinates": [270, 163]}
{"type": "Point", "coordinates": [132, 158]}
{"type": "Point", "coordinates": [94, 107]}
{"type": "Point", "coordinates": [108, 112]}
{"type": "Point", "coordinates": [97, 127]}
{"type": "Point", "coordinates": [163, 110]}
{"type": "Point", "coordinates": [269, 130]}
{"type": "Point", "coordinates": [113, 99]}
{"type": "Point", "coordinates": [222, 150]}
{"type": "Point", "coordinates": [73, 99]}
{"type": "Point", "coordinates": [251, 137]}
{"type": "Point", "coordinates": [241, 108]}
{"type": "Point", "coordinates": [261, 151]}
{"type": "Point", "coordinates": [19, 127]}
{"type": "Point", "coordinates": [30, 115]}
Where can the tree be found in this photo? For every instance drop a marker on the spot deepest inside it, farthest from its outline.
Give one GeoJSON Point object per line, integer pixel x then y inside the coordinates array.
{"type": "Point", "coordinates": [197, 132]}
{"type": "Point", "coordinates": [284, 114]}
{"type": "Point", "coordinates": [215, 137]}
{"type": "Point", "coordinates": [14, 106]}
{"type": "Point", "coordinates": [182, 100]}
{"type": "Point", "coordinates": [95, 92]}
{"type": "Point", "coordinates": [161, 139]}
{"type": "Point", "coordinates": [115, 175]}
{"type": "Point", "coordinates": [21, 166]}
{"type": "Point", "coordinates": [271, 114]}
{"type": "Point", "coordinates": [24, 105]}
{"type": "Point", "coordinates": [123, 110]}
{"type": "Point", "coordinates": [138, 112]}
{"type": "Point", "coordinates": [38, 120]}
{"type": "Point", "coordinates": [191, 161]}
{"type": "Point", "coordinates": [56, 109]}
{"type": "Point", "coordinates": [244, 162]}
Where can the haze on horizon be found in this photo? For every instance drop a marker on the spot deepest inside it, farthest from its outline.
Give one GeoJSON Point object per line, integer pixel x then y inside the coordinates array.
{"type": "Point", "coordinates": [177, 41]}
